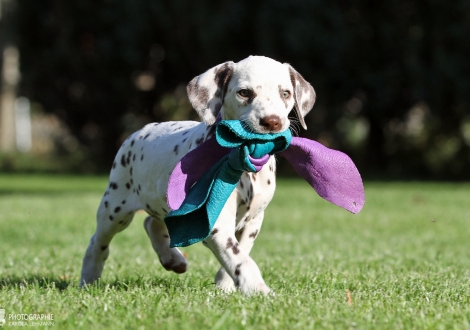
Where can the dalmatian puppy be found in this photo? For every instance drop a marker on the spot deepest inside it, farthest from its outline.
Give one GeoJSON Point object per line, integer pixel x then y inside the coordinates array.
{"type": "Point", "coordinates": [258, 91]}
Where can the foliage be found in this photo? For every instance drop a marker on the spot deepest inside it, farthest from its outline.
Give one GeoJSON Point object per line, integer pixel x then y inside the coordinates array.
{"type": "Point", "coordinates": [402, 263]}
{"type": "Point", "coordinates": [108, 67]}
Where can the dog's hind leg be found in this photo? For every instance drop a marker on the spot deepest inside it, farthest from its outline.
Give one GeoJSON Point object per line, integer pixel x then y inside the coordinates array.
{"type": "Point", "coordinates": [171, 258]}
{"type": "Point", "coordinates": [114, 214]}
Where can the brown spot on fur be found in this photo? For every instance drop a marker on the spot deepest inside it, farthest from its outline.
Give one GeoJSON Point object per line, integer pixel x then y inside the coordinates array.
{"type": "Point", "coordinates": [200, 140]}
{"type": "Point", "coordinates": [214, 231]}
{"type": "Point", "coordinates": [117, 209]}
{"type": "Point", "coordinates": [237, 270]}
{"type": "Point", "coordinates": [199, 95]}
{"type": "Point", "coordinates": [254, 234]}
{"type": "Point", "coordinates": [202, 95]}
{"type": "Point", "coordinates": [222, 77]}
{"type": "Point", "coordinates": [151, 211]}
{"type": "Point", "coordinates": [235, 249]}
{"type": "Point", "coordinates": [251, 95]}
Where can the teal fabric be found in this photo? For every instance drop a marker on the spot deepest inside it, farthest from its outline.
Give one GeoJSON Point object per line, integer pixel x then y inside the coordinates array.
{"type": "Point", "coordinates": [196, 217]}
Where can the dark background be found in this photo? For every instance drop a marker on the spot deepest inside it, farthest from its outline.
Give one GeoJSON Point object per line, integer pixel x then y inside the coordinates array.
{"type": "Point", "coordinates": [392, 77]}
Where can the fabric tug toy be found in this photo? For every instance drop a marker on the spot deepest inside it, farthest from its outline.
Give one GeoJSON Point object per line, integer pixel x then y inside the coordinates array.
{"type": "Point", "coordinates": [204, 178]}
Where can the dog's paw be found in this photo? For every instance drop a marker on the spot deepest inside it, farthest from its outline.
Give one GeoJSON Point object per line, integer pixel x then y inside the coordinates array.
{"type": "Point", "coordinates": [177, 263]}
{"type": "Point", "coordinates": [224, 282]}
{"type": "Point", "coordinates": [261, 288]}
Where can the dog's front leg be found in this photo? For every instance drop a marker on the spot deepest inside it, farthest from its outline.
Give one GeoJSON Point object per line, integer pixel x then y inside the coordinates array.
{"type": "Point", "coordinates": [233, 256]}
{"type": "Point", "coordinates": [246, 237]}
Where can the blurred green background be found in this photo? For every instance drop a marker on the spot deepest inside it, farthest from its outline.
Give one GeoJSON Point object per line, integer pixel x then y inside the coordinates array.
{"type": "Point", "coordinates": [392, 77]}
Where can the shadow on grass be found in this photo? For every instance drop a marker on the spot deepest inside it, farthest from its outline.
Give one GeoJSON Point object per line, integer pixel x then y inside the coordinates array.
{"type": "Point", "coordinates": [61, 283]}
{"type": "Point", "coordinates": [37, 281]}
{"type": "Point", "coordinates": [168, 284]}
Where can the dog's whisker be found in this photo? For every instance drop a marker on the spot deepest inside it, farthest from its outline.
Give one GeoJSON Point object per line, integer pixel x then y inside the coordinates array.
{"type": "Point", "coordinates": [245, 124]}
{"type": "Point", "coordinates": [293, 131]}
{"type": "Point", "coordinates": [294, 126]}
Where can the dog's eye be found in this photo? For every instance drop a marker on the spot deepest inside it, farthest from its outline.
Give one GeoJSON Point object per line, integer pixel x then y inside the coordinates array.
{"type": "Point", "coordinates": [244, 92]}
{"type": "Point", "coordinates": [285, 94]}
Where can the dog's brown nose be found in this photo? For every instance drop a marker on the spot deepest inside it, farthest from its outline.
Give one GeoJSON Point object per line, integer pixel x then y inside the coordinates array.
{"type": "Point", "coordinates": [271, 123]}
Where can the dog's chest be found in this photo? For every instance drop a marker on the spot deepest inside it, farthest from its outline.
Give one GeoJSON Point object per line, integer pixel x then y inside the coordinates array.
{"type": "Point", "coordinates": [254, 192]}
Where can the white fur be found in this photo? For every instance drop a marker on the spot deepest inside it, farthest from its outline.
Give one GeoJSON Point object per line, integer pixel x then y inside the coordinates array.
{"type": "Point", "coordinates": [142, 167]}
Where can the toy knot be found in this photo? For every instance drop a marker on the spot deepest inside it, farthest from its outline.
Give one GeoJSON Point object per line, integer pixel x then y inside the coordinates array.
{"type": "Point", "coordinates": [250, 150]}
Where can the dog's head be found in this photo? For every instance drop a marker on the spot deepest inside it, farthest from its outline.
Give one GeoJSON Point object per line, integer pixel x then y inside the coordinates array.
{"type": "Point", "coordinates": [259, 91]}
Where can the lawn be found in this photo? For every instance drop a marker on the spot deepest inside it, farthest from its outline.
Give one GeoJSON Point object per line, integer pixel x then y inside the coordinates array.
{"type": "Point", "coordinates": [402, 263]}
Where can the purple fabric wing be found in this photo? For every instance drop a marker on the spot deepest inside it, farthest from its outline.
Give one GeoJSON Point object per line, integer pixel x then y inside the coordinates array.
{"type": "Point", "coordinates": [190, 169]}
{"type": "Point", "coordinates": [331, 173]}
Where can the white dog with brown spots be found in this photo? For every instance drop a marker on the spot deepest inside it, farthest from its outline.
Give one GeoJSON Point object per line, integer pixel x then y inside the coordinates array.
{"type": "Point", "coordinates": [260, 92]}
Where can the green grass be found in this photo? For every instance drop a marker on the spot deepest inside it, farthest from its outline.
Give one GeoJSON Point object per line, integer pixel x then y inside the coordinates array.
{"type": "Point", "coordinates": [404, 261]}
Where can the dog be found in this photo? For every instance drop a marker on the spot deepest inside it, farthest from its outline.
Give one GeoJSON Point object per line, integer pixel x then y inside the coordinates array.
{"type": "Point", "coordinates": [258, 91]}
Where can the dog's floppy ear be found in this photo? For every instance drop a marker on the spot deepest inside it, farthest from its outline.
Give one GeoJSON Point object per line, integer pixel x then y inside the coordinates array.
{"type": "Point", "coordinates": [206, 92]}
{"type": "Point", "coordinates": [304, 95]}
